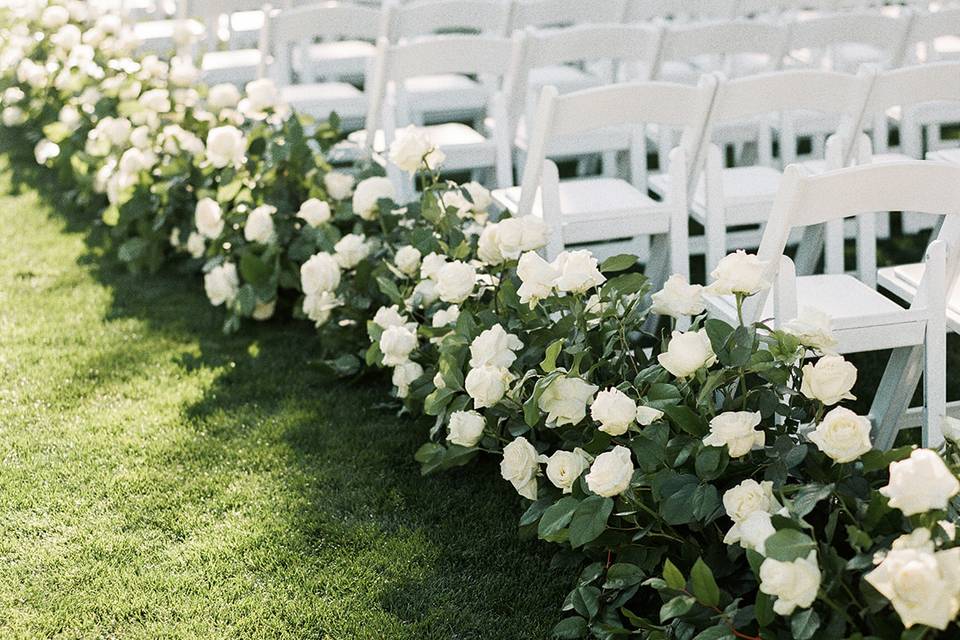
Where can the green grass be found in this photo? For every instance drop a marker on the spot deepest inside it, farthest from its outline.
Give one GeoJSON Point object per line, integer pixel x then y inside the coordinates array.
{"type": "Point", "coordinates": [161, 480]}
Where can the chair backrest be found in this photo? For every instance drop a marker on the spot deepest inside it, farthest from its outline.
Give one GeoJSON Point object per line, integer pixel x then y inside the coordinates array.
{"type": "Point", "coordinates": [907, 88]}
{"type": "Point", "coordinates": [824, 33]}
{"type": "Point", "coordinates": [210, 10]}
{"type": "Point", "coordinates": [641, 103]}
{"type": "Point", "coordinates": [805, 199]}
{"type": "Point", "coordinates": [479, 55]}
{"type": "Point", "coordinates": [930, 26]}
{"type": "Point", "coordinates": [644, 10]}
{"type": "Point", "coordinates": [723, 40]}
{"type": "Point", "coordinates": [616, 44]}
{"type": "Point", "coordinates": [286, 29]}
{"type": "Point", "coordinates": [564, 13]}
{"type": "Point", "coordinates": [428, 17]}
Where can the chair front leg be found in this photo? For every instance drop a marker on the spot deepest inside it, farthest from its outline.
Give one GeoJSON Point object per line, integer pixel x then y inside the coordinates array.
{"type": "Point", "coordinates": [935, 345]}
{"type": "Point", "coordinates": [715, 224]}
{"type": "Point", "coordinates": [899, 381]}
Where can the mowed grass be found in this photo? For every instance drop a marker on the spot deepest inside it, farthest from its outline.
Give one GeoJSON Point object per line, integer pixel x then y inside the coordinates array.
{"type": "Point", "coordinates": [161, 480]}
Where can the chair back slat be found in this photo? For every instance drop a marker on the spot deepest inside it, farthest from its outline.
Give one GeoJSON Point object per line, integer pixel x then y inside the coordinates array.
{"type": "Point", "coordinates": [785, 91]}
{"type": "Point", "coordinates": [463, 54]}
{"type": "Point", "coordinates": [426, 17]}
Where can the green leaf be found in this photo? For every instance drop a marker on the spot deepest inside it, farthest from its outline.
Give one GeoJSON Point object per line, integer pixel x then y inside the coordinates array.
{"type": "Point", "coordinates": [673, 577]}
{"type": "Point", "coordinates": [616, 263]}
{"type": "Point", "coordinates": [687, 419]}
{"type": "Point", "coordinates": [804, 624]}
{"type": "Point", "coordinates": [808, 497]}
{"type": "Point", "coordinates": [787, 545]}
{"type": "Point", "coordinates": [246, 300]}
{"type": "Point", "coordinates": [389, 288]}
{"type": "Point", "coordinates": [763, 609]}
{"type": "Point", "coordinates": [254, 270]}
{"type": "Point", "coordinates": [717, 632]}
{"type": "Point", "coordinates": [570, 628]}
{"type": "Point", "coordinates": [676, 607]}
{"type": "Point", "coordinates": [549, 362]}
{"type": "Point", "coordinates": [132, 249]}
{"type": "Point", "coordinates": [556, 518]}
{"type": "Point", "coordinates": [704, 585]}
{"type": "Point", "coordinates": [623, 575]}
{"type": "Point", "coordinates": [590, 520]}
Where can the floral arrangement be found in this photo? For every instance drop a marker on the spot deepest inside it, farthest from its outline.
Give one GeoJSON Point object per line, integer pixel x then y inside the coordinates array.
{"type": "Point", "coordinates": [704, 478]}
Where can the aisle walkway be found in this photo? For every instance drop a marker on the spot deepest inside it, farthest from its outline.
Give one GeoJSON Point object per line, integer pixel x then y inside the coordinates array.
{"type": "Point", "coordinates": [158, 480]}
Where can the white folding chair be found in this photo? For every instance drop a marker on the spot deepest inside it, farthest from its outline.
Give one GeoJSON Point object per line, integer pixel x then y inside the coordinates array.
{"type": "Point", "coordinates": [934, 35]}
{"type": "Point", "coordinates": [432, 17]}
{"type": "Point", "coordinates": [287, 34]}
{"type": "Point", "coordinates": [743, 195]}
{"type": "Point", "coordinates": [611, 214]}
{"type": "Point", "coordinates": [843, 41]}
{"type": "Point", "coordinates": [615, 52]}
{"type": "Point", "coordinates": [861, 318]}
{"type": "Point", "coordinates": [391, 103]}
{"type": "Point", "coordinates": [680, 10]}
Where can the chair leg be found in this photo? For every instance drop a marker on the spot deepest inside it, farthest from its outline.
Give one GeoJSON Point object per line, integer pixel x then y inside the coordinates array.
{"type": "Point", "coordinates": [899, 381]}
{"type": "Point", "coordinates": [934, 383]}
{"type": "Point", "coordinates": [715, 225]}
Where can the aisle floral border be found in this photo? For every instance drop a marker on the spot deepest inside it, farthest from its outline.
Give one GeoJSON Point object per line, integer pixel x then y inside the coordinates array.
{"type": "Point", "coordinates": [707, 481]}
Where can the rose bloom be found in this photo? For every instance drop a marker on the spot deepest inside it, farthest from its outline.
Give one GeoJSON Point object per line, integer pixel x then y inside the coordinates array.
{"type": "Point", "coordinates": [396, 344]}
{"type": "Point", "coordinates": [225, 146]}
{"type": "Point", "coordinates": [829, 380]}
{"type": "Point", "coordinates": [486, 385]}
{"type": "Point", "coordinates": [752, 532]}
{"type": "Point", "coordinates": [259, 225]}
{"type": "Point", "coordinates": [318, 306]}
{"type": "Point", "coordinates": [404, 375]}
{"type": "Point", "coordinates": [222, 284]}
{"type": "Point", "coordinates": [747, 497]}
{"type": "Point", "coordinates": [387, 317]}
{"type": "Point", "coordinates": [339, 185]}
{"type": "Point", "coordinates": [565, 401]}
{"type": "Point", "coordinates": [687, 353]}
{"type": "Point", "coordinates": [614, 410]}
{"type": "Point", "coordinates": [611, 472]}
{"type": "Point", "coordinates": [444, 317]}
{"type": "Point", "coordinates": [519, 467]}
{"type": "Point", "coordinates": [223, 96]}
{"type": "Point", "coordinates": [920, 483]}
{"type": "Point", "coordinates": [320, 273]}
{"type": "Point", "coordinates": [494, 347]}
{"type": "Point", "coordinates": [735, 430]}
{"type": "Point", "coordinates": [465, 428]}
{"type": "Point", "coordinates": [678, 298]}
{"type": "Point", "coordinates": [455, 282]}
{"type": "Point", "coordinates": [564, 467]}
{"type": "Point", "coordinates": [413, 149]}
{"type": "Point", "coordinates": [812, 329]}
{"type": "Point", "coordinates": [368, 193]}
{"type": "Point", "coordinates": [314, 212]}
{"type": "Point", "coordinates": [261, 94]}
{"type": "Point", "coordinates": [648, 415]}
{"type": "Point", "coordinates": [351, 250]}
{"type": "Point", "coordinates": [795, 584]}
{"type": "Point", "coordinates": [921, 585]}
{"type": "Point", "coordinates": [842, 435]}
{"type": "Point", "coordinates": [739, 273]}
{"type": "Point", "coordinates": [537, 278]}
{"type": "Point", "coordinates": [578, 271]}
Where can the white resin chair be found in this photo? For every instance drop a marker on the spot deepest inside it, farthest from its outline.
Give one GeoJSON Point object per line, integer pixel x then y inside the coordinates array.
{"type": "Point", "coordinates": [861, 318]}
{"type": "Point", "coordinates": [290, 32]}
{"type": "Point", "coordinates": [228, 50]}
{"type": "Point", "coordinates": [743, 195]}
{"type": "Point", "coordinates": [617, 53]}
{"type": "Point", "coordinates": [391, 103]}
{"type": "Point", "coordinates": [845, 40]}
{"type": "Point", "coordinates": [934, 35]}
{"type": "Point", "coordinates": [611, 214]}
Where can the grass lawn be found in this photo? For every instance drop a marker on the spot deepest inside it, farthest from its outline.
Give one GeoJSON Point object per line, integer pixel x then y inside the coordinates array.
{"type": "Point", "coordinates": [160, 480]}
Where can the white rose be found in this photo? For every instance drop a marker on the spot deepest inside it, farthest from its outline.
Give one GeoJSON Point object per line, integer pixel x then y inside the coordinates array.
{"type": "Point", "coordinates": [578, 271]}
{"type": "Point", "coordinates": [117, 130]}
{"type": "Point", "coordinates": [478, 202]}
{"type": "Point", "coordinates": [412, 148]}
{"type": "Point", "coordinates": [565, 401]}
{"type": "Point", "coordinates": [516, 235]}
{"type": "Point", "coordinates": [951, 429]}
{"type": "Point", "coordinates": [648, 415]}
{"type": "Point", "coordinates": [368, 193]}
{"type": "Point", "coordinates": [431, 265]}
{"type": "Point", "coordinates": [735, 430]}
{"type": "Point", "coordinates": [488, 245]}
{"type": "Point", "coordinates": [196, 245]}
{"type": "Point", "coordinates": [264, 310]}
{"type": "Point", "coordinates": [455, 281]}
{"type": "Point", "coordinates": [922, 586]}
{"type": "Point", "coordinates": [45, 150]}
{"type": "Point", "coordinates": [465, 428]}
{"type": "Point", "coordinates": [486, 385]}
{"type": "Point", "coordinates": [140, 137]}
{"type": "Point", "coordinates": [920, 483]}
{"type": "Point", "coordinates": [157, 100]}
{"type": "Point", "coordinates": [425, 293]}
{"type": "Point", "coordinates": [519, 467]}
{"type": "Point", "coordinates": [339, 185]}
{"type": "Point", "coordinates": [386, 317]}
{"type": "Point", "coordinates": [208, 218]}
{"type": "Point", "coordinates": [68, 37]}
{"type": "Point", "coordinates": [31, 73]}
{"type": "Point", "coordinates": [678, 298]}
{"type": "Point", "coordinates": [182, 72]}
{"type": "Point", "coordinates": [795, 584]}
{"type": "Point", "coordinates": [494, 347]}
{"type": "Point", "coordinates": [222, 284]}
{"type": "Point", "coordinates": [829, 380]}
{"type": "Point", "coordinates": [351, 250]}
{"type": "Point", "coordinates": [444, 317]}
{"type": "Point", "coordinates": [259, 225]}
{"type": "Point", "coordinates": [314, 212]}
{"type": "Point", "coordinates": [225, 146]}
{"type": "Point", "coordinates": [396, 344]}
{"type": "Point", "coordinates": [320, 273]}
{"type": "Point", "coordinates": [752, 532]}
{"type": "Point", "coordinates": [739, 273]}
{"type": "Point", "coordinates": [611, 472]}
{"type": "Point", "coordinates": [404, 375]}
{"type": "Point", "coordinates": [747, 497]}
{"type": "Point", "coordinates": [54, 17]}
{"type": "Point", "coordinates": [223, 96]}
{"type": "Point", "coordinates": [537, 278]}
{"type": "Point", "coordinates": [261, 94]}
{"type": "Point", "coordinates": [687, 353]}
{"type": "Point", "coordinates": [842, 435]}
{"type": "Point", "coordinates": [407, 260]}
{"type": "Point", "coordinates": [812, 328]}
{"type": "Point", "coordinates": [318, 306]}
{"type": "Point", "coordinates": [14, 116]}
{"type": "Point", "coordinates": [564, 467]}
{"type": "Point", "coordinates": [614, 410]}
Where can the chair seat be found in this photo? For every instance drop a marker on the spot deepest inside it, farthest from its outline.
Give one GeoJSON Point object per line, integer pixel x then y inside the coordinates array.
{"type": "Point", "coordinates": [598, 209]}
{"type": "Point", "coordinates": [564, 77]}
{"type": "Point", "coordinates": [320, 98]}
{"type": "Point", "coordinates": [339, 58]}
{"type": "Point", "coordinates": [238, 66]}
{"type": "Point", "coordinates": [947, 155]}
{"type": "Point", "coordinates": [448, 95]}
{"type": "Point", "coordinates": [156, 36]}
{"type": "Point", "coordinates": [747, 192]}
{"type": "Point", "coordinates": [859, 315]}
{"type": "Point", "coordinates": [903, 281]}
